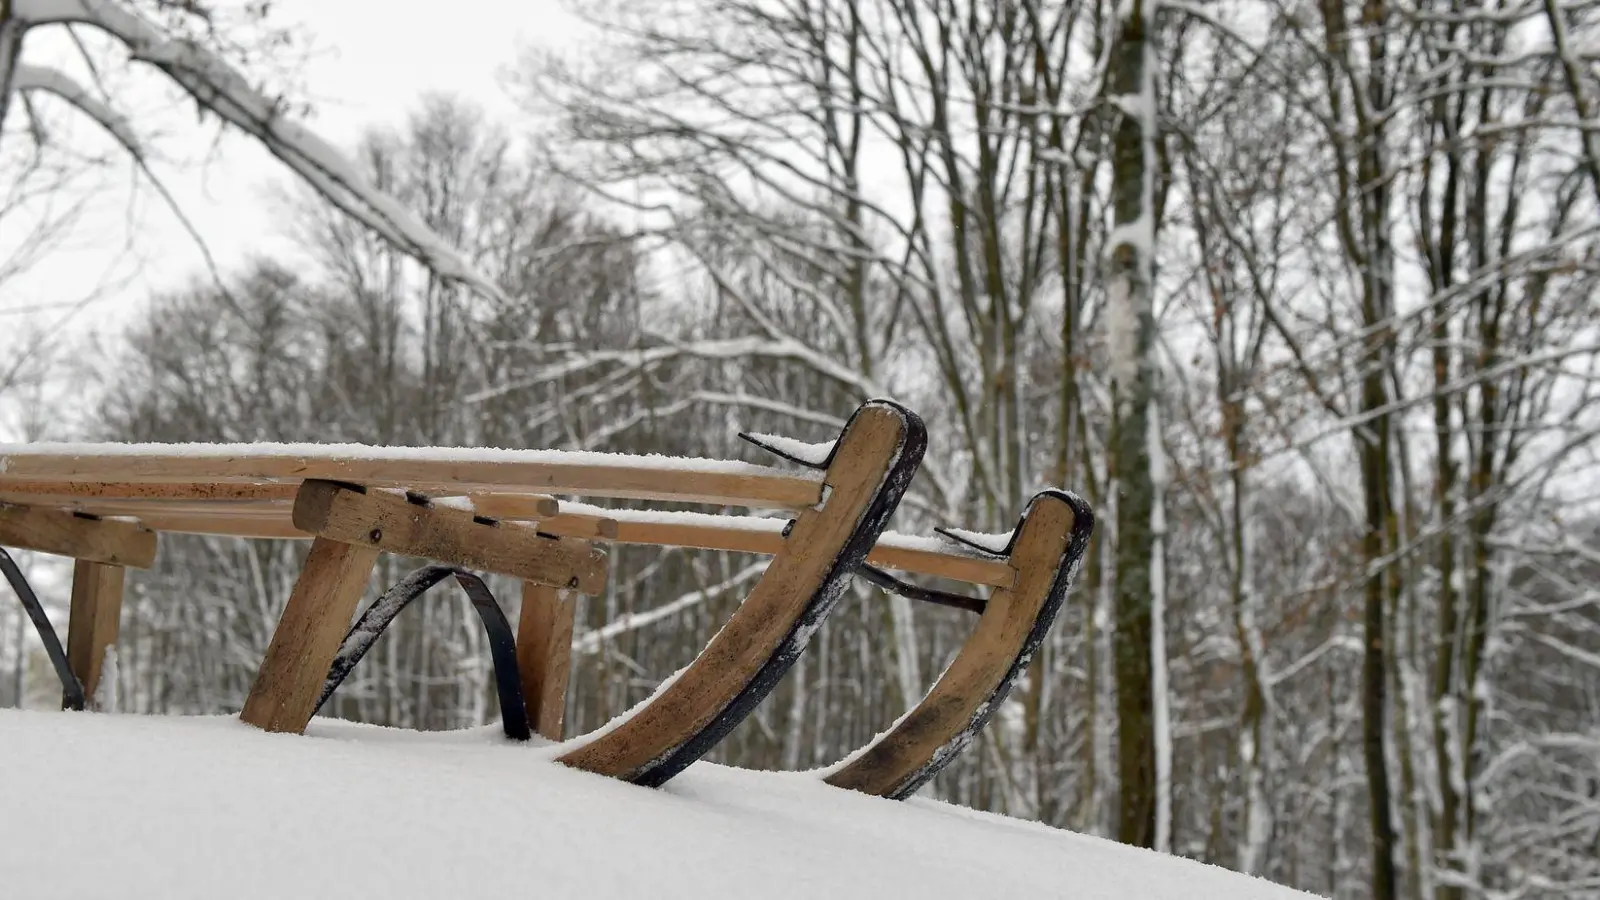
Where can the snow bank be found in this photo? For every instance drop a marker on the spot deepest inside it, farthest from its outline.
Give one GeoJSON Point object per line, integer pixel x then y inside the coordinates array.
{"type": "Point", "coordinates": [141, 807]}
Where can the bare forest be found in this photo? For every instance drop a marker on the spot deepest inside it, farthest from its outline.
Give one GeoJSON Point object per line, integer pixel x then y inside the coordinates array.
{"type": "Point", "coordinates": [1299, 294]}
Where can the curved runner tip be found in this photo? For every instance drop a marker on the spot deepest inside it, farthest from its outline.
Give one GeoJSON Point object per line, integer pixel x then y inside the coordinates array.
{"type": "Point", "coordinates": [966, 697]}
{"type": "Point", "coordinates": [902, 466]}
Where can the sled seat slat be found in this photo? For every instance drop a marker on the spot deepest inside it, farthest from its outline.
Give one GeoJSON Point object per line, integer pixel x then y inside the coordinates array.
{"type": "Point", "coordinates": [263, 518]}
{"type": "Point", "coordinates": [201, 471]}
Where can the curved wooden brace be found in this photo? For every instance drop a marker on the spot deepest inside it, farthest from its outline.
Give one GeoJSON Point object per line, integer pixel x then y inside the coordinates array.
{"type": "Point", "coordinates": [866, 474]}
{"type": "Point", "coordinates": [1045, 551]}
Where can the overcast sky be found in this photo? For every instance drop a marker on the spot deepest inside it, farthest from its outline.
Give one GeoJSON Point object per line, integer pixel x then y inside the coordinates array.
{"type": "Point", "coordinates": [375, 59]}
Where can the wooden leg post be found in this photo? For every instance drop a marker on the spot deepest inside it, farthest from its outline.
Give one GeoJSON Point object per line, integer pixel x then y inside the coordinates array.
{"type": "Point", "coordinates": [314, 622]}
{"type": "Point", "coordinates": [544, 655]}
{"type": "Point", "coordinates": [95, 619]}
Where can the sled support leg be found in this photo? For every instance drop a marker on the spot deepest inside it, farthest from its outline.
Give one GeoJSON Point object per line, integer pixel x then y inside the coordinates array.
{"type": "Point", "coordinates": [315, 621]}
{"type": "Point", "coordinates": [544, 654]}
{"type": "Point", "coordinates": [353, 524]}
{"type": "Point", "coordinates": [95, 620]}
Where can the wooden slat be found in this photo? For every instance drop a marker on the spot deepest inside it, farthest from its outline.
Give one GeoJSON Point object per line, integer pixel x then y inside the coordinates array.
{"type": "Point", "coordinates": [544, 655]}
{"type": "Point", "coordinates": [581, 525]}
{"type": "Point", "coordinates": [67, 534]}
{"type": "Point", "coordinates": [387, 520]}
{"type": "Point", "coordinates": [636, 478]}
{"type": "Point", "coordinates": [961, 699]}
{"type": "Point", "coordinates": [516, 506]}
{"type": "Point", "coordinates": [95, 620]}
{"type": "Point", "coordinates": [268, 517]}
{"type": "Point", "coordinates": [271, 519]}
{"type": "Point", "coordinates": [730, 662]}
{"type": "Point", "coordinates": [307, 638]}
{"type": "Point", "coordinates": [138, 507]}
{"type": "Point", "coordinates": [952, 565]}
{"type": "Point", "coordinates": [251, 527]}
{"type": "Point", "coordinates": [148, 490]}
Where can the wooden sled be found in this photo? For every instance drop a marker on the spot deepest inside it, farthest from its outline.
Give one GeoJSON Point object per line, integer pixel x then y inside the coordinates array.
{"type": "Point", "coordinates": [1043, 551]}
{"type": "Point", "coordinates": [355, 502]}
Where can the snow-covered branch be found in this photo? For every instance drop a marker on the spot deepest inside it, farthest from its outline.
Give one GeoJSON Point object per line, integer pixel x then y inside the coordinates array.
{"type": "Point", "coordinates": [218, 87]}
{"type": "Point", "coordinates": [47, 80]}
{"type": "Point", "coordinates": [732, 348]}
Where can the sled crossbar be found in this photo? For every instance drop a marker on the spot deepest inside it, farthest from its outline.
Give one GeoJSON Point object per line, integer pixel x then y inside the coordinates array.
{"type": "Point", "coordinates": [77, 534]}
{"type": "Point", "coordinates": [412, 524]}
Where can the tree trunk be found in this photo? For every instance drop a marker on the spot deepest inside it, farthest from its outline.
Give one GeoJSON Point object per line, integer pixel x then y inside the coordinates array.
{"type": "Point", "coordinates": [11, 31]}
{"type": "Point", "coordinates": [1136, 425]}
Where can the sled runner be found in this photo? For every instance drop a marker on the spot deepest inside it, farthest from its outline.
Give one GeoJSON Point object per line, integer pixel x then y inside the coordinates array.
{"type": "Point", "coordinates": [502, 642]}
{"type": "Point", "coordinates": [865, 473]}
{"type": "Point", "coordinates": [1044, 551]}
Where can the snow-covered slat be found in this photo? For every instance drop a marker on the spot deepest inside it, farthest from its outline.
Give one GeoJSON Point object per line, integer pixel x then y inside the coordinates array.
{"type": "Point", "coordinates": [68, 492]}
{"type": "Point", "coordinates": [809, 454]}
{"type": "Point", "coordinates": [229, 509]}
{"type": "Point", "coordinates": [995, 543]}
{"type": "Point", "coordinates": [428, 469]}
{"type": "Point", "coordinates": [748, 534]}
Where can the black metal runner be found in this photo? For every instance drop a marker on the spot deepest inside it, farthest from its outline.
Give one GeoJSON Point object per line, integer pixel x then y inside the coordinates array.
{"type": "Point", "coordinates": [502, 640]}
{"type": "Point", "coordinates": [72, 696]}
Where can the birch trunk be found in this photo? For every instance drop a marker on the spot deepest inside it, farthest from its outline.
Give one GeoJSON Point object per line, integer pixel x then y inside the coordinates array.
{"type": "Point", "coordinates": [1141, 719]}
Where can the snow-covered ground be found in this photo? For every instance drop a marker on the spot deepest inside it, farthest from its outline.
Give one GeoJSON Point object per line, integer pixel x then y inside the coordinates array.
{"type": "Point", "coordinates": [134, 807]}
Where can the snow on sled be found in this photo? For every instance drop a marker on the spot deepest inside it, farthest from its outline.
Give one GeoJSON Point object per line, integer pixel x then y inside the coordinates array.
{"type": "Point", "coordinates": [472, 510]}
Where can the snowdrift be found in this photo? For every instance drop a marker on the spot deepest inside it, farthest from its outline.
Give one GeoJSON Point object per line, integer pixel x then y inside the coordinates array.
{"type": "Point", "coordinates": [142, 807]}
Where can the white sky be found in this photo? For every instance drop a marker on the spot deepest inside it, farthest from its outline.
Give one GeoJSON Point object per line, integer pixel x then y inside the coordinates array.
{"type": "Point", "coordinates": [372, 61]}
